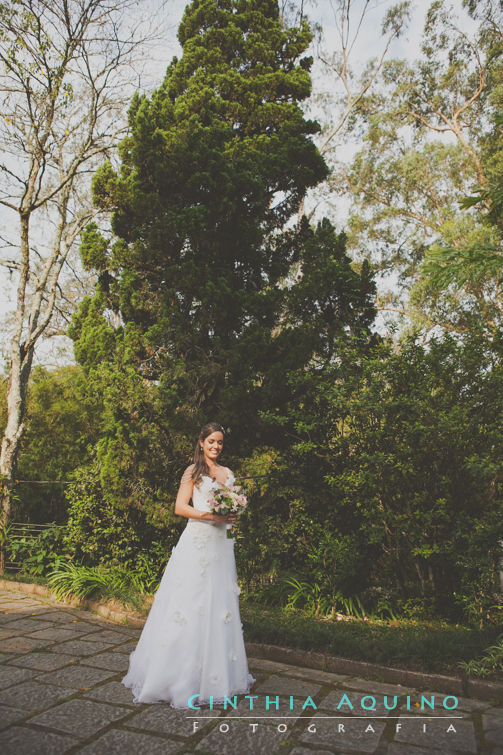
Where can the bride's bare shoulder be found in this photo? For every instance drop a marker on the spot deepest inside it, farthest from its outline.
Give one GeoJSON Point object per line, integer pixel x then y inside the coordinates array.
{"type": "Point", "coordinates": [187, 475]}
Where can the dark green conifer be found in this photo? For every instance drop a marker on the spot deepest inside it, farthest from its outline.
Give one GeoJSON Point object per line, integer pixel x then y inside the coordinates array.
{"type": "Point", "coordinates": [202, 246]}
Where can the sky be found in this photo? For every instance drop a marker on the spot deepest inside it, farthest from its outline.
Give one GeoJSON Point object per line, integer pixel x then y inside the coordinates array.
{"type": "Point", "coordinates": [167, 15]}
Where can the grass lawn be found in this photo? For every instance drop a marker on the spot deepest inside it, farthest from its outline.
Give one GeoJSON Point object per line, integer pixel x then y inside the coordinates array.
{"type": "Point", "coordinates": [429, 646]}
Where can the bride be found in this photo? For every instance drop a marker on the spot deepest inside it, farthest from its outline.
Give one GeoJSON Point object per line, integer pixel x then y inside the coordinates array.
{"type": "Point", "coordinates": [191, 647]}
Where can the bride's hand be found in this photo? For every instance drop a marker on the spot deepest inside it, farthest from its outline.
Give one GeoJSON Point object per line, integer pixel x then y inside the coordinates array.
{"type": "Point", "coordinates": [220, 518]}
{"type": "Point", "coordinates": [226, 518]}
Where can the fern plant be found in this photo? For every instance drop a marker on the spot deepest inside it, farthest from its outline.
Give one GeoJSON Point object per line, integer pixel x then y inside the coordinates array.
{"type": "Point", "coordinates": [74, 580]}
{"type": "Point", "coordinates": [316, 603]}
{"type": "Point", "coordinates": [490, 662]}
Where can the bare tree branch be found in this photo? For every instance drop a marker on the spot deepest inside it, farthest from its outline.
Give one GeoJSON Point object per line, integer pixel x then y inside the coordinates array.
{"type": "Point", "coordinates": [67, 72]}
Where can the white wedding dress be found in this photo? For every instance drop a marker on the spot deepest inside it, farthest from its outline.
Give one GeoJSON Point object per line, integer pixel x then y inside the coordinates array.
{"type": "Point", "coordinates": [192, 642]}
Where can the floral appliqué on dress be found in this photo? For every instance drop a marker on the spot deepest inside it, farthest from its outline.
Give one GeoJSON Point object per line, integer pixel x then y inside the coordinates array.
{"type": "Point", "coordinates": [179, 617]}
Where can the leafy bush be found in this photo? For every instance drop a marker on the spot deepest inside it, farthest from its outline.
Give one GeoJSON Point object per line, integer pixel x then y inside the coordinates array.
{"type": "Point", "coordinates": [62, 415]}
{"type": "Point", "coordinates": [37, 553]}
{"type": "Point", "coordinates": [100, 532]}
{"type": "Point", "coordinates": [316, 602]}
{"type": "Point", "coordinates": [426, 646]}
{"type": "Point", "coordinates": [67, 580]}
{"type": "Point", "coordinates": [392, 480]}
{"type": "Point", "coordinates": [492, 661]}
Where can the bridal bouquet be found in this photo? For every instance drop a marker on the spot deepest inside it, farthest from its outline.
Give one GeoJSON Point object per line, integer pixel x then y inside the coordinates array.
{"type": "Point", "coordinates": [228, 500]}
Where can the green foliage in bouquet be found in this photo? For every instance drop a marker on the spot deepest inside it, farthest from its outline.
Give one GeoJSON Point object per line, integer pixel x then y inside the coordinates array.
{"type": "Point", "coordinates": [231, 499]}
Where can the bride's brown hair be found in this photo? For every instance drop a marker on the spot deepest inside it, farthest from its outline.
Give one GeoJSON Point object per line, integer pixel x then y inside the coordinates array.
{"type": "Point", "coordinates": [200, 467]}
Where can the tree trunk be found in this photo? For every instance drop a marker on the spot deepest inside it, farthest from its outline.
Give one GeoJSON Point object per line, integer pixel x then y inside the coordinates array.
{"type": "Point", "coordinates": [89, 44]}
{"type": "Point", "coordinates": [16, 404]}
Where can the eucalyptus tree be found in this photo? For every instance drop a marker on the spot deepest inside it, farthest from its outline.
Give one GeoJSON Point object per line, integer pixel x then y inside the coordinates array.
{"type": "Point", "coordinates": [422, 154]}
{"type": "Point", "coordinates": [343, 81]}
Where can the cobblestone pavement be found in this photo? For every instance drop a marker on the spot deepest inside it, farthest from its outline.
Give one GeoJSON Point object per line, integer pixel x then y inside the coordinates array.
{"type": "Point", "coordinates": [60, 692]}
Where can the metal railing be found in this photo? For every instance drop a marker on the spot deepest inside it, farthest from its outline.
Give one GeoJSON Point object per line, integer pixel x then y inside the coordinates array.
{"type": "Point", "coordinates": [17, 531]}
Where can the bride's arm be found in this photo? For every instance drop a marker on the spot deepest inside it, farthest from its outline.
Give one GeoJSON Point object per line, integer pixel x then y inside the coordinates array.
{"type": "Point", "coordinates": [182, 507]}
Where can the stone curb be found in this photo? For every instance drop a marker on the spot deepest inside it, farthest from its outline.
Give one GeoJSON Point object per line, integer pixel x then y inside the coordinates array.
{"type": "Point", "coordinates": [112, 614]}
{"type": "Point", "coordinates": [450, 685]}
{"type": "Point", "coordinates": [453, 685]}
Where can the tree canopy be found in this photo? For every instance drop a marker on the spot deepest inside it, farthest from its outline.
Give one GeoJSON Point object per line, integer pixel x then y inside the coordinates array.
{"type": "Point", "coordinates": [218, 291]}
{"type": "Point", "coordinates": [431, 142]}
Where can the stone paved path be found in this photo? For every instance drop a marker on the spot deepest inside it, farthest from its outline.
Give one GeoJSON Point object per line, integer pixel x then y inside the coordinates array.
{"type": "Point", "coordinates": [60, 692]}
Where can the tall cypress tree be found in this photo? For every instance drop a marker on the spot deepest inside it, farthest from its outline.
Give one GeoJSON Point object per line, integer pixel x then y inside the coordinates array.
{"type": "Point", "coordinates": [198, 261]}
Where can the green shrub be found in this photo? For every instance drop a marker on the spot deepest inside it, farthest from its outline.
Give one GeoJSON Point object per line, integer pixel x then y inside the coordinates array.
{"type": "Point", "coordinates": [37, 554]}
{"type": "Point", "coordinates": [491, 661]}
{"type": "Point", "coordinates": [67, 580]}
{"type": "Point", "coordinates": [100, 532]}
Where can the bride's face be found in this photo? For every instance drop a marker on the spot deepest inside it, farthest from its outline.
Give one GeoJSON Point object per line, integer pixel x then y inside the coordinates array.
{"type": "Point", "coordinates": [212, 446]}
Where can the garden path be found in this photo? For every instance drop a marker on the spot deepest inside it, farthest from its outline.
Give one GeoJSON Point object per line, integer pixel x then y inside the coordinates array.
{"type": "Point", "coordinates": [60, 692]}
